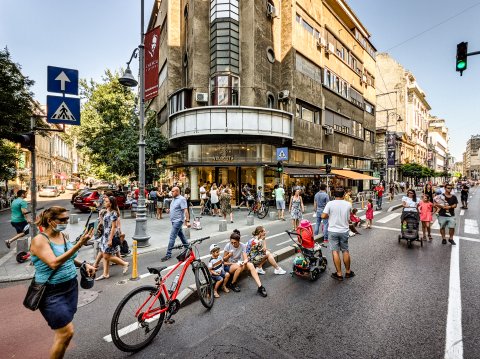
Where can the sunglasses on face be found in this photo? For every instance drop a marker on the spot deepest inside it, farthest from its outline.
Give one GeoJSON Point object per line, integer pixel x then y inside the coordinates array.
{"type": "Point", "coordinates": [62, 219]}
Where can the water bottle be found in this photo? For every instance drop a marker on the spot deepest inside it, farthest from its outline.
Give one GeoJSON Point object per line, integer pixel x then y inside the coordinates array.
{"type": "Point", "coordinates": [174, 283]}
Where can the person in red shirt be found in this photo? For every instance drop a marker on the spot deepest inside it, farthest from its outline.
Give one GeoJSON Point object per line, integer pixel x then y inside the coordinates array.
{"type": "Point", "coordinates": [379, 190]}
{"type": "Point", "coordinates": [426, 209]}
{"type": "Point", "coordinates": [137, 193]}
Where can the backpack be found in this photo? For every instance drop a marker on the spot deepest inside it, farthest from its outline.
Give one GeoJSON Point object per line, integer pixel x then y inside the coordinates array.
{"type": "Point", "coordinates": [124, 249]}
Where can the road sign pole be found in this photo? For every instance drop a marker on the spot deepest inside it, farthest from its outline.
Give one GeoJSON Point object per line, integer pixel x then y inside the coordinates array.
{"type": "Point", "coordinates": [33, 185]}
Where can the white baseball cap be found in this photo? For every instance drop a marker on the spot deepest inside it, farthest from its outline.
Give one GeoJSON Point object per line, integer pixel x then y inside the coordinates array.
{"type": "Point", "coordinates": [213, 246]}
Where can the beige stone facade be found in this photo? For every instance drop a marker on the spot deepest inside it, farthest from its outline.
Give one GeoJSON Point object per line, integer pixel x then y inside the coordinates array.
{"type": "Point", "coordinates": [239, 79]}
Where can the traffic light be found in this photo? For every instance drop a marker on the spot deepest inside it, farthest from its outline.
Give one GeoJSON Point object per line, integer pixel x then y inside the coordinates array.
{"type": "Point", "coordinates": [26, 140]}
{"type": "Point", "coordinates": [279, 166]}
{"type": "Point", "coordinates": [328, 168]}
{"type": "Point", "coordinates": [462, 50]}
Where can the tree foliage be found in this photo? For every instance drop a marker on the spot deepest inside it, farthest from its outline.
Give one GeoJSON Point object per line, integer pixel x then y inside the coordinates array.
{"type": "Point", "coordinates": [8, 158]}
{"type": "Point", "coordinates": [108, 135]}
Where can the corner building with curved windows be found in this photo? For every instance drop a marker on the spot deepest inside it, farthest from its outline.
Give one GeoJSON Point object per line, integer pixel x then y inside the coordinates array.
{"type": "Point", "coordinates": [239, 79]}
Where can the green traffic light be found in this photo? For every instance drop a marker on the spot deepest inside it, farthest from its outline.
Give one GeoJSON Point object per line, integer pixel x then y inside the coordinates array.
{"type": "Point", "coordinates": [461, 65]}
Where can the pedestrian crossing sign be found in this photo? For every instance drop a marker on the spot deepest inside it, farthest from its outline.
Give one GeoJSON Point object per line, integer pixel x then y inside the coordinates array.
{"type": "Point", "coordinates": [282, 154]}
{"type": "Point", "coordinates": [64, 110]}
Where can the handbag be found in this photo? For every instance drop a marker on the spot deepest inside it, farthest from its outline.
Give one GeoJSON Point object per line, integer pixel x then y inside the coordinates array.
{"type": "Point", "coordinates": [36, 291]}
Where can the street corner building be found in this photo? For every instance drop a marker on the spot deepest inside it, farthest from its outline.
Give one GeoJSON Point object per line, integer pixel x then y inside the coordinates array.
{"type": "Point", "coordinates": [239, 79]}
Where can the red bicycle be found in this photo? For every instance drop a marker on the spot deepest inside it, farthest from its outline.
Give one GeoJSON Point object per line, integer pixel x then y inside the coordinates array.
{"type": "Point", "coordinates": [141, 313]}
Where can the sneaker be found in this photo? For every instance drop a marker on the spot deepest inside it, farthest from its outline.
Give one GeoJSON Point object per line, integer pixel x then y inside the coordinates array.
{"type": "Point", "coordinates": [452, 242]}
{"type": "Point", "coordinates": [260, 270]}
{"type": "Point", "coordinates": [234, 287]}
{"type": "Point", "coordinates": [7, 243]}
{"type": "Point", "coordinates": [279, 271]}
{"type": "Point", "coordinates": [262, 291]}
{"type": "Point", "coordinates": [444, 241]}
{"type": "Point", "coordinates": [166, 258]}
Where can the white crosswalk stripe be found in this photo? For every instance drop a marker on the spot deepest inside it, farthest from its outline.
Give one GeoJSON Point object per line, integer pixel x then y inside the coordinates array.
{"type": "Point", "coordinates": [389, 218]}
{"type": "Point", "coordinates": [374, 214]}
{"type": "Point", "coordinates": [435, 225]}
{"type": "Point", "coordinates": [471, 226]}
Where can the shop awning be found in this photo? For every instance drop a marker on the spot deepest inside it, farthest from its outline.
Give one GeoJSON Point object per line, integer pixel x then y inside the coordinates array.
{"type": "Point", "coordinates": [297, 172]}
{"type": "Point", "coordinates": [353, 175]}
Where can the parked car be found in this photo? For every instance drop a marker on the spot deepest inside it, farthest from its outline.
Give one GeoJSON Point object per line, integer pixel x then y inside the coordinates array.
{"type": "Point", "coordinates": [71, 186]}
{"type": "Point", "coordinates": [90, 197]}
{"type": "Point", "coordinates": [78, 192]}
{"type": "Point", "coordinates": [49, 191]}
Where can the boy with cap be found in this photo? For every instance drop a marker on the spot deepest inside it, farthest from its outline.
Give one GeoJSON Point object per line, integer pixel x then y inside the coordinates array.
{"type": "Point", "coordinates": [217, 270]}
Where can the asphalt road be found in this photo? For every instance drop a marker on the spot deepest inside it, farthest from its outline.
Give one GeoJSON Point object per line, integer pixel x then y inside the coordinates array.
{"type": "Point", "coordinates": [396, 307]}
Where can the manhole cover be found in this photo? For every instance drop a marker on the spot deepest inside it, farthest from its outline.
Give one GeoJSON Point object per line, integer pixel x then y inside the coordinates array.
{"type": "Point", "coordinates": [86, 297]}
{"type": "Point", "coordinates": [123, 281]}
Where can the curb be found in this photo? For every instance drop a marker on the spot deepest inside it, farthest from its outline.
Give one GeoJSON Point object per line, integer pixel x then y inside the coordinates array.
{"type": "Point", "coordinates": [393, 208]}
{"type": "Point", "coordinates": [17, 278]}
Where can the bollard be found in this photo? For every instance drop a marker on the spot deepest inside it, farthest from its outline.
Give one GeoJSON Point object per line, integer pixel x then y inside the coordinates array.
{"type": "Point", "coordinates": [134, 262]}
{"type": "Point", "coordinates": [222, 227]}
{"type": "Point", "coordinates": [186, 232]}
{"type": "Point", "coordinates": [250, 220]}
{"type": "Point", "coordinates": [363, 202]}
{"type": "Point", "coordinates": [273, 215]}
{"type": "Point", "coordinates": [73, 218]}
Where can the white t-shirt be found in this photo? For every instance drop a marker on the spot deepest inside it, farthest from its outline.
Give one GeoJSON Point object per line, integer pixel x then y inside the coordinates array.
{"type": "Point", "coordinates": [203, 192]}
{"type": "Point", "coordinates": [214, 196]}
{"type": "Point", "coordinates": [338, 212]}
{"type": "Point", "coordinates": [236, 252]}
{"type": "Point", "coordinates": [411, 205]}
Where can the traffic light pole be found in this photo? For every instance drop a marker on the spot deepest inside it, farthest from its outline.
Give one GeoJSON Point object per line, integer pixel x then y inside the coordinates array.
{"type": "Point", "coordinates": [33, 184]}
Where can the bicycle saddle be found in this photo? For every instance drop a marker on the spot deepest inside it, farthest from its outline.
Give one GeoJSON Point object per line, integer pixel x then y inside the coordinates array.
{"type": "Point", "coordinates": [156, 270]}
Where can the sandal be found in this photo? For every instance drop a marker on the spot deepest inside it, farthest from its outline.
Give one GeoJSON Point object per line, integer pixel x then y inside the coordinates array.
{"type": "Point", "coordinates": [125, 268]}
{"type": "Point", "coordinates": [336, 276]}
{"type": "Point", "coordinates": [216, 295]}
{"type": "Point", "coordinates": [226, 290]}
{"type": "Point", "coordinates": [102, 277]}
{"type": "Point", "coordinates": [350, 275]}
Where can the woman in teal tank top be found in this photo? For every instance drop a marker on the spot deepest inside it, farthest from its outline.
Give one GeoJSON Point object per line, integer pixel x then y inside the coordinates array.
{"type": "Point", "coordinates": [50, 251]}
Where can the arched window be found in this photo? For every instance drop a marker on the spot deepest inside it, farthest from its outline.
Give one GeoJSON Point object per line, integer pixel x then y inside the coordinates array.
{"type": "Point", "coordinates": [270, 100]}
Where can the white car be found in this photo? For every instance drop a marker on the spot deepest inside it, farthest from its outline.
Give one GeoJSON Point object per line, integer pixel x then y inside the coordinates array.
{"type": "Point", "coordinates": [71, 187]}
{"type": "Point", "coordinates": [49, 191]}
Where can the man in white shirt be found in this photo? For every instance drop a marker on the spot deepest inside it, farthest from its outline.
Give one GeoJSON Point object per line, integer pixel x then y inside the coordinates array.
{"type": "Point", "coordinates": [338, 214]}
{"type": "Point", "coordinates": [203, 194]}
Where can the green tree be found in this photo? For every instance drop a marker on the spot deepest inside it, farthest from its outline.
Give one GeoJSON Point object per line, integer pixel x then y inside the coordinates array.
{"type": "Point", "coordinates": [8, 158]}
{"type": "Point", "coordinates": [108, 135]}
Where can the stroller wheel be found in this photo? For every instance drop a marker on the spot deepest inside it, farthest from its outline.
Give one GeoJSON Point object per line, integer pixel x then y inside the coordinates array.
{"type": "Point", "coordinates": [421, 242]}
{"type": "Point", "coordinates": [409, 245]}
{"type": "Point", "coordinates": [323, 265]}
{"type": "Point", "coordinates": [399, 238]}
{"type": "Point", "coordinates": [314, 274]}
{"type": "Point", "coordinates": [22, 257]}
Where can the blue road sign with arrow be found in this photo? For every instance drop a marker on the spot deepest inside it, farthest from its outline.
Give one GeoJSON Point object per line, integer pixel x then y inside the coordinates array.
{"type": "Point", "coordinates": [62, 80]}
{"type": "Point", "coordinates": [64, 110]}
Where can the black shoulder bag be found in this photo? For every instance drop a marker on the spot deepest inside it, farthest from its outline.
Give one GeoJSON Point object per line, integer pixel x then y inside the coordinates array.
{"type": "Point", "coordinates": [36, 291]}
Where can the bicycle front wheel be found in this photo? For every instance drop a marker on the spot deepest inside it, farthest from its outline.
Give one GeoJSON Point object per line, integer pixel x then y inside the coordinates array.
{"type": "Point", "coordinates": [204, 283]}
{"type": "Point", "coordinates": [129, 332]}
{"type": "Point", "coordinates": [262, 212]}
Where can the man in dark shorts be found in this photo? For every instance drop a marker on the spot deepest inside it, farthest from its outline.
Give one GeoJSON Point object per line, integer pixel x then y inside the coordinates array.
{"type": "Point", "coordinates": [446, 215]}
{"type": "Point", "coordinates": [19, 219]}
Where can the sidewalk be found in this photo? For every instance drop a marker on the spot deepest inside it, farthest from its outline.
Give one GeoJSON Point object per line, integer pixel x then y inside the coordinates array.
{"type": "Point", "coordinates": [159, 230]}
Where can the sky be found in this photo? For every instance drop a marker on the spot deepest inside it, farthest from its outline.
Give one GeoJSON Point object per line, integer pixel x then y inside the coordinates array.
{"type": "Point", "coordinates": [94, 35]}
{"type": "Point", "coordinates": [431, 55]}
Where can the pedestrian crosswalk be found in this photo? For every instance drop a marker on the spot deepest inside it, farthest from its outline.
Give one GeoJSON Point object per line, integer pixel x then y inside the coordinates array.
{"type": "Point", "coordinates": [389, 218]}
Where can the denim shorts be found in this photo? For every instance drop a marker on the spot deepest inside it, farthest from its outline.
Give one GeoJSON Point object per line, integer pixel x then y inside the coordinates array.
{"type": "Point", "coordinates": [446, 222]}
{"type": "Point", "coordinates": [60, 303]}
{"type": "Point", "coordinates": [280, 204]}
{"type": "Point", "coordinates": [338, 241]}
{"type": "Point", "coordinates": [217, 278]}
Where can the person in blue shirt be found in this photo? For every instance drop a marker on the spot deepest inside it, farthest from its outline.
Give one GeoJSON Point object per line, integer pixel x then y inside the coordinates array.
{"type": "Point", "coordinates": [19, 220]}
{"type": "Point", "coordinates": [51, 251]}
{"type": "Point", "coordinates": [178, 211]}
{"type": "Point", "coordinates": [320, 201]}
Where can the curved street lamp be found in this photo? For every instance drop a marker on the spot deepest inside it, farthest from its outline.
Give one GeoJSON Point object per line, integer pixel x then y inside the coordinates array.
{"type": "Point", "coordinates": [128, 80]}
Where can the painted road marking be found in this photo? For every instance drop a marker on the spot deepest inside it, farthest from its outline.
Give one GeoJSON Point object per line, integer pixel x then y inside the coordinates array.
{"type": "Point", "coordinates": [435, 225]}
{"type": "Point", "coordinates": [471, 226]}
{"type": "Point", "coordinates": [433, 234]}
{"type": "Point", "coordinates": [389, 218]}
{"type": "Point", "coordinates": [282, 243]}
{"type": "Point", "coordinates": [454, 340]}
{"type": "Point", "coordinates": [364, 217]}
{"type": "Point", "coordinates": [462, 212]}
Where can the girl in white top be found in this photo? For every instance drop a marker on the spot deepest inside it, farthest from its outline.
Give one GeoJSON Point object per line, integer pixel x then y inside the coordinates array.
{"type": "Point", "coordinates": [214, 200]}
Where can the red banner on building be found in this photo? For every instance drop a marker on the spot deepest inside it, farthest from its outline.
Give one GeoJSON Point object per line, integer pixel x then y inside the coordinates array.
{"type": "Point", "coordinates": [152, 42]}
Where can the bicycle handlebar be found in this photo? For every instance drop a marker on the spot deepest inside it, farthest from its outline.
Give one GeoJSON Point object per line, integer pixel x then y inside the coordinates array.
{"type": "Point", "coordinates": [191, 243]}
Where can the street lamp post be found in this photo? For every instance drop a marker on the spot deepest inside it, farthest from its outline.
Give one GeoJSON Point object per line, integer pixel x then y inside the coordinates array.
{"type": "Point", "coordinates": [127, 79]}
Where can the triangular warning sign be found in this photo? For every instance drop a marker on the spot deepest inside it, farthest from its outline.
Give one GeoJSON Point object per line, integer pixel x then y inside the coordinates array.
{"type": "Point", "coordinates": [63, 113]}
{"type": "Point", "coordinates": [282, 154]}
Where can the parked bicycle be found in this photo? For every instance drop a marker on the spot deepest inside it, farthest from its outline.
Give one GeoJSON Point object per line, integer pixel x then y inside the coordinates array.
{"type": "Point", "coordinates": [141, 313]}
{"type": "Point", "coordinates": [260, 208]}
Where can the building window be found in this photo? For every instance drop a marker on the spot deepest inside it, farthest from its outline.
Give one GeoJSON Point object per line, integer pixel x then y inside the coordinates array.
{"type": "Point", "coordinates": [369, 108]}
{"type": "Point", "coordinates": [369, 137]}
{"type": "Point", "coordinates": [162, 76]}
{"type": "Point", "coordinates": [270, 100]}
{"type": "Point", "coordinates": [223, 9]}
{"type": "Point", "coordinates": [180, 100]}
{"type": "Point", "coordinates": [270, 55]}
{"type": "Point", "coordinates": [356, 97]}
{"type": "Point", "coordinates": [307, 112]}
{"type": "Point", "coordinates": [225, 90]}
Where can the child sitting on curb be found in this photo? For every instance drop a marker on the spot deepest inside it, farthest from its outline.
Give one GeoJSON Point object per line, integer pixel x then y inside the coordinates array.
{"type": "Point", "coordinates": [215, 265]}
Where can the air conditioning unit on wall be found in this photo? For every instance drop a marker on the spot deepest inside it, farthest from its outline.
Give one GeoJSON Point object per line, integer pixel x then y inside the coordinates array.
{"type": "Point", "coordinates": [283, 95]}
{"type": "Point", "coordinates": [331, 48]}
{"type": "Point", "coordinates": [201, 97]}
{"type": "Point", "coordinates": [271, 11]}
{"type": "Point", "coordinates": [321, 42]}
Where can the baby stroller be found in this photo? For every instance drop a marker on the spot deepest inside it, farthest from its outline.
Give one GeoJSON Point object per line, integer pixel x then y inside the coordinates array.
{"type": "Point", "coordinates": [207, 207]}
{"type": "Point", "coordinates": [410, 222]}
{"type": "Point", "coordinates": [309, 262]}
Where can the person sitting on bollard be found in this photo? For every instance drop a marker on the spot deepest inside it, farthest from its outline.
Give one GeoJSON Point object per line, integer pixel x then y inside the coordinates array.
{"type": "Point", "coordinates": [236, 261]}
{"type": "Point", "coordinates": [217, 270]}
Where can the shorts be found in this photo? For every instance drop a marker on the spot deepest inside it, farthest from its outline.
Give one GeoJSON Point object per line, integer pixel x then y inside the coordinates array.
{"type": "Point", "coordinates": [215, 206]}
{"type": "Point", "coordinates": [19, 226]}
{"type": "Point", "coordinates": [60, 303]}
{"type": "Point", "coordinates": [220, 277]}
{"type": "Point", "coordinates": [444, 222]}
{"type": "Point", "coordinates": [338, 241]}
{"type": "Point", "coordinates": [227, 269]}
{"type": "Point", "coordinates": [280, 204]}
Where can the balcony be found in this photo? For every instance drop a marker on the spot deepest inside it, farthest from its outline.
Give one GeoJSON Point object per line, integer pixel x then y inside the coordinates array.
{"type": "Point", "coordinates": [231, 120]}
